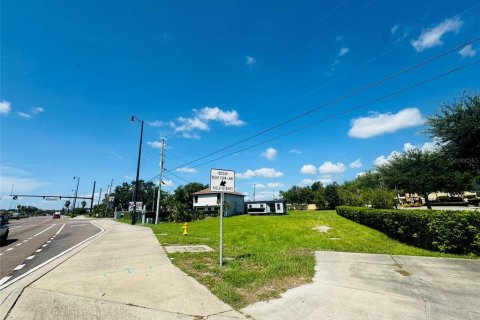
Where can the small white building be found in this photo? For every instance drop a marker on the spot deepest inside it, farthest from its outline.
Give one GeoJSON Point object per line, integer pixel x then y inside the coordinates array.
{"type": "Point", "coordinates": [206, 200]}
{"type": "Point", "coordinates": [266, 207]}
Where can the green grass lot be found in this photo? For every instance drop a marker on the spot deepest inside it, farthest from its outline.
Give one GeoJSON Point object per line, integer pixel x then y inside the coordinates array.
{"type": "Point", "coordinates": [266, 255]}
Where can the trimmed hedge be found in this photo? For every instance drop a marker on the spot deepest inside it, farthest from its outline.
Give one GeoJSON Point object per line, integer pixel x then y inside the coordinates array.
{"type": "Point", "coordinates": [445, 231]}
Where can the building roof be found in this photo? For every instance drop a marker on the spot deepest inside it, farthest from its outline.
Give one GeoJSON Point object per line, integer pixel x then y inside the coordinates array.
{"type": "Point", "coordinates": [207, 191]}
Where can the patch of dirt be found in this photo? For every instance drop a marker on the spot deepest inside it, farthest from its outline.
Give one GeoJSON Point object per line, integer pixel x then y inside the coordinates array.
{"type": "Point", "coordinates": [404, 273]}
{"type": "Point", "coordinates": [322, 229]}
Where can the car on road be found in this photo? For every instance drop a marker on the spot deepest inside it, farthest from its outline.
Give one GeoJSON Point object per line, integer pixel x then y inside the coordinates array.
{"type": "Point", "coordinates": [4, 228]}
{"type": "Point", "coordinates": [56, 215]}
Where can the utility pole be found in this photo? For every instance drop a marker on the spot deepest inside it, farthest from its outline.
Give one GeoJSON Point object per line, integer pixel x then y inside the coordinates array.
{"type": "Point", "coordinates": [135, 193]}
{"type": "Point", "coordinates": [160, 182]}
{"type": "Point", "coordinates": [99, 196]}
{"type": "Point", "coordinates": [254, 191]}
{"type": "Point", "coordinates": [76, 193]}
{"type": "Point", "coordinates": [93, 195]}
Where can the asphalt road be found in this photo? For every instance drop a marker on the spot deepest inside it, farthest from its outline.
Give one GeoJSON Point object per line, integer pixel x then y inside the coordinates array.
{"type": "Point", "coordinates": [32, 241]}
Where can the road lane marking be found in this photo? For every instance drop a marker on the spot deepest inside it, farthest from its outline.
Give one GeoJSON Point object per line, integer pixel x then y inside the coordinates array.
{"type": "Point", "coordinates": [39, 250]}
{"type": "Point", "coordinates": [9, 249]}
{"type": "Point", "coordinates": [49, 241]}
{"type": "Point", "coordinates": [2, 286]}
{"type": "Point", "coordinates": [13, 228]}
{"type": "Point", "coordinates": [25, 240]}
{"type": "Point", "coordinates": [44, 245]}
{"type": "Point", "coordinates": [44, 230]}
{"type": "Point", "coordinates": [30, 238]}
{"type": "Point", "coordinates": [3, 280]}
{"type": "Point", "coordinates": [60, 229]}
{"type": "Point", "coordinates": [31, 257]}
{"type": "Point", "coordinates": [1, 254]}
{"type": "Point", "coordinates": [79, 225]}
{"type": "Point", "coordinates": [19, 244]}
{"type": "Point", "coordinates": [20, 266]}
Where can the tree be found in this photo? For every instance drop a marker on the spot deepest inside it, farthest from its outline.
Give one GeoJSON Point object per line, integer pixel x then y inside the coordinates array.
{"type": "Point", "coordinates": [423, 172]}
{"type": "Point", "coordinates": [83, 203]}
{"type": "Point", "coordinates": [298, 195]}
{"type": "Point", "coordinates": [182, 197]}
{"type": "Point", "coordinates": [67, 205]}
{"type": "Point", "coordinates": [124, 194]}
{"type": "Point", "coordinates": [331, 196]}
{"type": "Point", "coordinates": [457, 128]}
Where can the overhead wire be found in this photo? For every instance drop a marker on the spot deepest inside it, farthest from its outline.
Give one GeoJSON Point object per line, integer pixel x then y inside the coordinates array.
{"type": "Point", "coordinates": [335, 101]}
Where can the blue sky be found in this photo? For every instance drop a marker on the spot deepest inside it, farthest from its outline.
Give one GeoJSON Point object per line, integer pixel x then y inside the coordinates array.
{"type": "Point", "coordinates": [204, 75]}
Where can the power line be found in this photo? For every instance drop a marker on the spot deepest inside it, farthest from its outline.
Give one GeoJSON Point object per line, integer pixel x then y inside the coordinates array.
{"type": "Point", "coordinates": [334, 101]}
{"type": "Point", "coordinates": [344, 112]}
{"type": "Point", "coordinates": [171, 172]}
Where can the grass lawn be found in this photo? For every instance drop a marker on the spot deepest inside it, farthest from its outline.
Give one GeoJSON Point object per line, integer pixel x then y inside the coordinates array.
{"type": "Point", "coordinates": [266, 255]}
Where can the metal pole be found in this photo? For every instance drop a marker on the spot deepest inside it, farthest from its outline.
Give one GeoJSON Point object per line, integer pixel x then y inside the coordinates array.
{"type": "Point", "coordinates": [221, 229]}
{"type": "Point", "coordinates": [254, 191]}
{"type": "Point", "coordinates": [134, 216]}
{"type": "Point", "coordinates": [76, 193]}
{"type": "Point", "coordinates": [160, 182]}
{"type": "Point", "coordinates": [93, 195]}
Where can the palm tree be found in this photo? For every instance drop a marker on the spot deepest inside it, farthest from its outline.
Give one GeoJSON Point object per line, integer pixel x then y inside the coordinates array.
{"type": "Point", "coordinates": [83, 203]}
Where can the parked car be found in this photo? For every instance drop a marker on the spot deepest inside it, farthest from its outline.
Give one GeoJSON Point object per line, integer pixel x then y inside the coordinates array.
{"type": "Point", "coordinates": [56, 215]}
{"type": "Point", "coordinates": [4, 228]}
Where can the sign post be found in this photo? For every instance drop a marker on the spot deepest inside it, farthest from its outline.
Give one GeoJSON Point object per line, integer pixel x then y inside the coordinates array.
{"type": "Point", "coordinates": [221, 181]}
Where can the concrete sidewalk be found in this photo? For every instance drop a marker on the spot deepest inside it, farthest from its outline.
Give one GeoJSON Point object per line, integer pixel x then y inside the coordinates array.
{"type": "Point", "coordinates": [379, 286]}
{"type": "Point", "coordinates": [124, 274]}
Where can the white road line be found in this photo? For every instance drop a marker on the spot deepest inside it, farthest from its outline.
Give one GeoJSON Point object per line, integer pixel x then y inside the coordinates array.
{"type": "Point", "coordinates": [9, 249]}
{"type": "Point", "coordinates": [30, 238]}
{"type": "Point", "coordinates": [49, 241]}
{"type": "Point", "coordinates": [25, 240]}
{"type": "Point", "coordinates": [20, 266]}
{"type": "Point", "coordinates": [60, 229]}
{"type": "Point", "coordinates": [3, 280]}
{"type": "Point", "coordinates": [39, 250]}
{"type": "Point", "coordinates": [3, 286]}
{"type": "Point", "coordinates": [19, 244]}
{"type": "Point", "coordinates": [13, 228]}
{"type": "Point", "coordinates": [31, 257]}
{"type": "Point", "coordinates": [44, 230]}
{"type": "Point", "coordinates": [44, 245]}
{"type": "Point", "coordinates": [1, 254]}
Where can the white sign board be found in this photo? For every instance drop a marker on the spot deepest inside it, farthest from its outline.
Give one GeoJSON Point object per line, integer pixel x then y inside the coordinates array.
{"type": "Point", "coordinates": [139, 206]}
{"type": "Point", "coordinates": [51, 198]}
{"type": "Point", "coordinates": [222, 180]}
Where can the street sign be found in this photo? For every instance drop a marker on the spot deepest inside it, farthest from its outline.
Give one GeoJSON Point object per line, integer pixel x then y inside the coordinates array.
{"type": "Point", "coordinates": [51, 198]}
{"type": "Point", "coordinates": [139, 206]}
{"type": "Point", "coordinates": [222, 180]}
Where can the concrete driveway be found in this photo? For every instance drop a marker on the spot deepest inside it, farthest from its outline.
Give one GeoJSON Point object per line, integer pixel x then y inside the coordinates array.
{"type": "Point", "coordinates": [377, 286]}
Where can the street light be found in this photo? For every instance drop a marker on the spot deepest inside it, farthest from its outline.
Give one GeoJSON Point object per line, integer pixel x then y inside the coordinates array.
{"type": "Point", "coordinates": [76, 192]}
{"type": "Point", "coordinates": [134, 215]}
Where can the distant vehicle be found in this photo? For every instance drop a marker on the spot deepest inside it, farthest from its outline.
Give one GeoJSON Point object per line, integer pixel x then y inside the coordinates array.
{"type": "Point", "coordinates": [4, 228]}
{"type": "Point", "coordinates": [56, 215]}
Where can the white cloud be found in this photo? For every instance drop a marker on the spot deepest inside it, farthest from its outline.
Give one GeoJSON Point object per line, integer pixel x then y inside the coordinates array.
{"type": "Point", "coordinates": [343, 51]}
{"type": "Point", "coordinates": [186, 170]}
{"type": "Point", "coordinates": [166, 182]}
{"type": "Point", "coordinates": [432, 37]}
{"type": "Point", "coordinates": [259, 186]}
{"type": "Point", "coordinates": [378, 123]}
{"type": "Point", "coordinates": [5, 107]}
{"type": "Point", "coordinates": [262, 173]}
{"type": "Point", "coordinates": [356, 164]}
{"type": "Point", "coordinates": [37, 110]}
{"type": "Point", "coordinates": [155, 144]}
{"type": "Point", "coordinates": [201, 119]}
{"type": "Point", "coordinates": [21, 184]}
{"type": "Point", "coordinates": [296, 151]}
{"type": "Point", "coordinates": [306, 182]}
{"type": "Point", "coordinates": [325, 180]}
{"type": "Point", "coordinates": [360, 174]}
{"type": "Point", "coordinates": [12, 171]}
{"type": "Point", "coordinates": [250, 61]}
{"type": "Point", "coordinates": [24, 115]}
{"type": "Point", "coordinates": [467, 52]}
{"type": "Point", "coordinates": [408, 146]}
{"type": "Point", "coordinates": [269, 154]}
{"type": "Point", "coordinates": [329, 167]}
{"type": "Point", "coordinates": [156, 123]}
{"type": "Point", "coordinates": [309, 169]}
{"type": "Point", "coordinates": [274, 185]}
{"type": "Point", "coordinates": [394, 29]}
{"type": "Point", "coordinates": [383, 160]}
{"type": "Point", "coordinates": [427, 146]}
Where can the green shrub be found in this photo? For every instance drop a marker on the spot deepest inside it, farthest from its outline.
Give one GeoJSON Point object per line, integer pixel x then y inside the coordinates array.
{"type": "Point", "coordinates": [444, 231]}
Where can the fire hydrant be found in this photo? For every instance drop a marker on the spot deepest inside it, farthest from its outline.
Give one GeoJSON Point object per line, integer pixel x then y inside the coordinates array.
{"type": "Point", "coordinates": [185, 229]}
